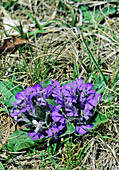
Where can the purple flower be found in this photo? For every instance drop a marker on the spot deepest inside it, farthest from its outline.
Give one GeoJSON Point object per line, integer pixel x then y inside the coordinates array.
{"type": "Point", "coordinates": [34, 111]}
{"type": "Point", "coordinates": [23, 103]}
{"type": "Point", "coordinates": [46, 111]}
{"type": "Point", "coordinates": [76, 101]}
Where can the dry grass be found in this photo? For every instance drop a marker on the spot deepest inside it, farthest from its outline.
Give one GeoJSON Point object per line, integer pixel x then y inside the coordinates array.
{"type": "Point", "coordinates": [102, 153]}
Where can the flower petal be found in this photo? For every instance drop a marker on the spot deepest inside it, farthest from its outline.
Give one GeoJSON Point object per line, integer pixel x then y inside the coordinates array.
{"type": "Point", "coordinates": [82, 129]}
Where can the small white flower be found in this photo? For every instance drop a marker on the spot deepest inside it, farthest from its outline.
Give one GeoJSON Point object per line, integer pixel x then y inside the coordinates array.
{"type": "Point", "coordinates": [15, 117]}
{"type": "Point", "coordinates": [34, 122]}
{"type": "Point", "coordinates": [37, 129]}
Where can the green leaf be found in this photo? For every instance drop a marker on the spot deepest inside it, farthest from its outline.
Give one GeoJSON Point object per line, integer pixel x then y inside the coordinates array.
{"type": "Point", "coordinates": [84, 8]}
{"type": "Point", "coordinates": [105, 12]}
{"type": "Point", "coordinates": [109, 11]}
{"type": "Point", "coordinates": [88, 16]}
{"type": "Point", "coordinates": [98, 119]}
{"type": "Point", "coordinates": [17, 136]}
{"type": "Point", "coordinates": [15, 28]}
{"type": "Point", "coordinates": [107, 137]}
{"type": "Point", "coordinates": [10, 147]}
{"type": "Point", "coordinates": [98, 84]}
{"type": "Point", "coordinates": [46, 82]}
{"type": "Point", "coordinates": [52, 102]}
{"type": "Point", "coordinates": [8, 91]}
{"type": "Point", "coordinates": [54, 146]}
{"type": "Point", "coordinates": [23, 144]}
{"type": "Point", "coordinates": [70, 129]}
{"type": "Point", "coordinates": [20, 140]}
{"type": "Point", "coordinates": [3, 109]}
{"type": "Point", "coordinates": [96, 15]}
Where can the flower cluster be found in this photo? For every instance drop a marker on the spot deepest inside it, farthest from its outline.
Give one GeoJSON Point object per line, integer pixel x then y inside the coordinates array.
{"type": "Point", "coordinates": [46, 111]}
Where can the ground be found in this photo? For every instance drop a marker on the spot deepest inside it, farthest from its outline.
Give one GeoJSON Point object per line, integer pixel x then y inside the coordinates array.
{"type": "Point", "coordinates": [60, 46]}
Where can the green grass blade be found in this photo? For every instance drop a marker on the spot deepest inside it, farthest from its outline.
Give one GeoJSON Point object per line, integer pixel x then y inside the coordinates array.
{"type": "Point", "coordinates": [32, 34]}
{"type": "Point", "coordinates": [23, 34]}
{"type": "Point", "coordinates": [1, 166]}
{"type": "Point", "coordinates": [82, 153]}
{"type": "Point", "coordinates": [95, 63]}
{"type": "Point", "coordinates": [79, 156]}
{"type": "Point", "coordinates": [73, 17]}
{"type": "Point", "coordinates": [9, 4]}
{"type": "Point", "coordinates": [33, 18]}
{"type": "Point", "coordinates": [49, 22]}
{"type": "Point", "coordinates": [115, 78]}
{"type": "Point", "coordinates": [21, 30]}
{"type": "Point", "coordinates": [75, 72]}
{"type": "Point", "coordinates": [15, 28]}
{"type": "Point", "coordinates": [54, 61]}
{"type": "Point", "coordinates": [107, 137]}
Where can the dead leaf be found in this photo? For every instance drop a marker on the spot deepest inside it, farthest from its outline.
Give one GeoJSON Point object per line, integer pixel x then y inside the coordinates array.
{"type": "Point", "coordinates": [11, 43]}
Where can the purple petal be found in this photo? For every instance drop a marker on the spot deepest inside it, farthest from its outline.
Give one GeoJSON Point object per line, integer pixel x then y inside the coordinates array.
{"type": "Point", "coordinates": [56, 84]}
{"type": "Point", "coordinates": [90, 97]}
{"type": "Point", "coordinates": [67, 86]}
{"type": "Point", "coordinates": [88, 106]}
{"type": "Point", "coordinates": [16, 112]}
{"type": "Point", "coordinates": [70, 114]}
{"type": "Point", "coordinates": [41, 136]}
{"type": "Point", "coordinates": [84, 86]}
{"type": "Point", "coordinates": [59, 100]}
{"type": "Point", "coordinates": [28, 90]}
{"type": "Point", "coordinates": [91, 91]}
{"type": "Point", "coordinates": [17, 102]}
{"type": "Point", "coordinates": [37, 87]}
{"type": "Point", "coordinates": [49, 132]}
{"type": "Point", "coordinates": [82, 129]}
{"type": "Point", "coordinates": [89, 86]}
{"type": "Point", "coordinates": [79, 83]}
{"type": "Point", "coordinates": [74, 86]}
{"type": "Point", "coordinates": [98, 97]}
{"type": "Point", "coordinates": [56, 116]}
{"type": "Point", "coordinates": [48, 90]}
{"type": "Point", "coordinates": [87, 113]}
{"type": "Point", "coordinates": [93, 102]}
{"type": "Point", "coordinates": [57, 107]}
{"type": "Point", "coordinates": [33, 135]}
{"type": "Point", "coordinates": [63, 121]}
{"type": "Point", "coordinates": [60, 127]}
{"type": "Point", "coordinates": [20, 95]}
